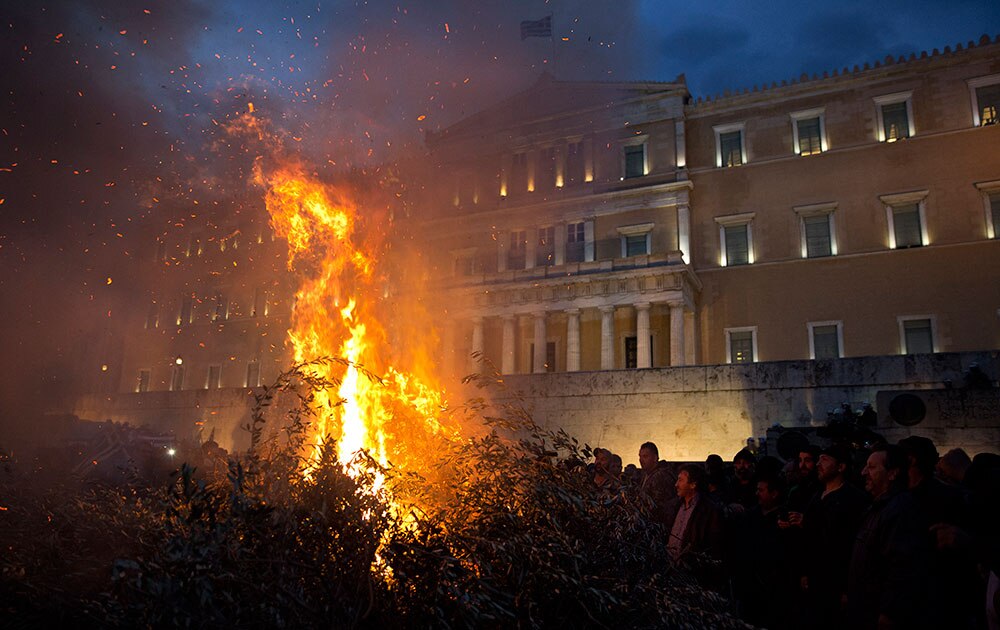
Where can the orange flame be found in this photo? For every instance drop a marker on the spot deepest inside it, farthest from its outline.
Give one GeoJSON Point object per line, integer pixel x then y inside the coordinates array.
{"type": "Point", "coordinates": [341, 311]}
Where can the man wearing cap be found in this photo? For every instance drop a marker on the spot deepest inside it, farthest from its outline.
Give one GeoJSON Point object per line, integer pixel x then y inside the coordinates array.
{"type": "Point", "coordinates": [830, 524]}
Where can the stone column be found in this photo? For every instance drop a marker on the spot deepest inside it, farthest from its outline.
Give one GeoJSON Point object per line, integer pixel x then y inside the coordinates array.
{"type": "Point", "coordinates": [684, 232]}
{"type": "Point", "coordinates": [573, 340]}
{"type": "Point", "coordinates": [677, 333]}
{"type": "Point", "coordinates": [642, 335]}
{"type": "Point", "coordinates": [507, 360]}
{"type": "Point", "coordinates": [607, 337]}
{"type": "Point", "coordinates": [539, 356]}
{"type": "Point", "coordinates": [477, 344]}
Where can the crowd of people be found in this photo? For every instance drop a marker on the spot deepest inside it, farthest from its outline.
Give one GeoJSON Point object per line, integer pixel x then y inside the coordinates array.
{"type": "Point", "coordinates": [889, 536]}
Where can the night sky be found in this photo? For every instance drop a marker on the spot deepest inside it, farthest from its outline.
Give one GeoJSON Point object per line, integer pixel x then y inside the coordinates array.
{"type": "Point", "coordinates": [112, 110]}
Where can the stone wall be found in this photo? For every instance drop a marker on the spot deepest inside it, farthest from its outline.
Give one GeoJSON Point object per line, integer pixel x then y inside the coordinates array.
{"type": "Point", "coordinates": [688, 411]}
{"type": "Point", "coordinates": [691, 412]}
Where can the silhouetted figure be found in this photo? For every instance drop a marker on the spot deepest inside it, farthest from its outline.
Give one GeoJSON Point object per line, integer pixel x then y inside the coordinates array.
{"type": "Point", "coordinates": [806, 483]}
{"type": "Point", "coordinates": [741, 495]}
{"type": "Point", "coordinates": [884, 588]}
{"type": "Point", "coordinates": [657, 481]}
{"type": "Point", "coordinates": [760, 571]}
{"type": "Point", "coordinates": [952, 466]}
{"type": "Point", "coordinates": [829, 527]}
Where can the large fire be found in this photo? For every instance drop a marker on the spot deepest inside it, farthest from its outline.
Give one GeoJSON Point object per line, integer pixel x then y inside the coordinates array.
{"type": "Point", "coordinates": [345, 308]}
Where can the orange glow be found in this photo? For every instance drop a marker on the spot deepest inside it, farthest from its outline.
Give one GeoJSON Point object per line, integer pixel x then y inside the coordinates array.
{"type": "Point", "coordinates": [344, 308]}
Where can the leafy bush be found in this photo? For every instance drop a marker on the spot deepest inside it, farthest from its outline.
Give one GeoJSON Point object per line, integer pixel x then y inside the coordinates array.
{"type": "Point", "coordinates": [508, 533]}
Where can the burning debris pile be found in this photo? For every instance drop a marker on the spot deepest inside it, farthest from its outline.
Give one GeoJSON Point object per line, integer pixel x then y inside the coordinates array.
{"type": "Point", "coordinates": [511, 535]}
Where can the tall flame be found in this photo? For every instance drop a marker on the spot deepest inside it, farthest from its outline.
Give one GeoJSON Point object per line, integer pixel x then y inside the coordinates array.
{"type": "Point", "coordinates": [341, 310]}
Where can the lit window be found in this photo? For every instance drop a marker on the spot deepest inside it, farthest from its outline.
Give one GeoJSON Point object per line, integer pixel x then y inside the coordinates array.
{"type": "Point", "coordinates": [905, 217]}
{"type": "Point", "coordinates": [214, 380]}
{"type": "Point", "coordinates": [574, 162]}
{"type": "Point", "coordinates": [545, 250]}
{"type": "Point", "coordinates": [895, 116]}
{"type": "Point", "coordinates": [809, 132]}
{"type": "Point", "coordinates": [736, 239]}
{"type": "Point", "coordinates": [186, 315]}
{"type": "Point", "coordinates": [576, 245]}
{"type": "Point", "coordinates": [142, 382]}
{"type": "Point", "coordinates": [994, 201]}
{"type": "Point", "coordinates": [816, 226]}
{"type": "Point", "coordinates": [825, 340]}
{"type": "Point", "coordinates": [635, 239]}
{"type": "Point", "coordinates": [730, 150]}
{"type": "Point", "coordinates": [153, 316]}
{"type": "Point", "coordinates": [176, 378]}
{"type": "Point", "coordinates": [916, 334]}
{"type": "Point", "coordinates": [518, 249]}
{"type": "Point", "coordinates": [991, 201]}
{"type": "Point", "coordinates": [635, 160]}
{"type": "Point", "coordinates": [741, 345]}
{"type": "Point", "coordinates": [985, 92]}
{"type": "Point", "coordinates": [221, 311]}
{"type": "Point", "coordinates": [253, 374]}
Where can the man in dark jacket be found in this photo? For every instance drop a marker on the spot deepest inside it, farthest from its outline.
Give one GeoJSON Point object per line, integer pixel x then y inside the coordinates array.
{"type": "Point", "coordinates": [695, 524]}
{"type": "Point", "coordinates": [829, 526]}
{"type": "Point", "coordinates": [657, 481]}
{"type": "Point", "coordinates": [883, 589]}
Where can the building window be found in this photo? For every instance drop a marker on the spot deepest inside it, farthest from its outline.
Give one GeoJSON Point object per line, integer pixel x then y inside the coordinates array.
{"type": "Point", "coordinates": [635, 239]}
{"type": "Point", "coordinates": [905, 216]}
{"type": "Point", "coordinates": [826, 340]}
{"type": "Point", "coordinates": [465, 265]}
{"type": "Point", "coordinates": [809, 132]}
{"type": "Point", "coordinates": [895, 116]}
{"type": "Point", "coordinates": [985, 92]}
{"type": "Point", "coordinates": [153, 316]}
{"type": "Point", "coordinates": [635, 160]}
{"type": "Point", "coordinates": [253, 374]}
{"type": "Point", "coordinates": [991, 201]}
{"type": "Point", "coordinates": [214, 380]}
{"type": "Point", "coordinates": [186, 315]}
{"type": "Point", "coordinates": [142, 382]}
{"type": "Point", "coordinates": [161, 250]}
{"type": "Point", "coordinates": [916, 334]}
{"type": "Point", "coordinates": [221, 310]}
{"type": "Point", "coordinates": [518, 249]}
{"type": "Point", "coordinates": [546, 178]}
{"type": "Point", "coordinates": [817, 230]}
{"type": "Point", "coordinates": [574, 162]}
{"type": "Point", "coordinates": [176, 378]}
{"type": "Point", "coordinates": [576, 236]}
{"type": "Point", "coordinates": [519, 173]}
{"type": "Point", "coordinates": [632, 352]}
{"type": "Point", "coordinates": [736, 239]}
{"type": "Point", "coordinates": [994, 214]}
{"type": "Point", "coordinates": [545, 250]}
{"type": "Point", "coordinates": [730, 149]}
{"type": "Point", "coordinates": [741, 345]}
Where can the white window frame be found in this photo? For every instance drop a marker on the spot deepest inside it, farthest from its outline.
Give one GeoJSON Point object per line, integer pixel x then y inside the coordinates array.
{"type": "Point", "coordinates": [979, 82]}
{"type": "Point", "coordinates": [892, 99]}
{"type": "Point", "coordinates": [729, 346]}
{"type": "Point", "coordinates": [902, 331]}
{"type": "Point", "coordinates": [891, 202]}
{"type": "Point", "coordinates": [729, 128]}
{"type": "Point", "coordinates": [816, 210]}
{"type": "Point", "coordinates": [138, 380]}
{"type": "Point", "coordinates": [638, 229]}
{"type": "Point", "coordinates": [208, 376]}
{"type": "Point", "coordinates": [818, 112]}
{"type": "Point", "coordinates": [745, 218]}
{"type": "Point", "coordinates": [643, 141]}
{"type": "Point", "coordinates": [986, 189]}
{"type": "Point", "coordinates": [810, 326]}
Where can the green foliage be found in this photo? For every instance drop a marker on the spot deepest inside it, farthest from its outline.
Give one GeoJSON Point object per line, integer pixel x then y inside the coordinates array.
{"type": "Point", "coordinates": [509, 533]}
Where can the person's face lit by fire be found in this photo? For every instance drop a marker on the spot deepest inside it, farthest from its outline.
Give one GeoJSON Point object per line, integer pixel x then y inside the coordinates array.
{"type": "Point", "coordinates": [602, 460]}
{"type": "Point", "coordinates": [685, 488]}
{"type": "Point", "coordinates": [807, 464]}
{"type": "Point", "coordinates": [647, 459]}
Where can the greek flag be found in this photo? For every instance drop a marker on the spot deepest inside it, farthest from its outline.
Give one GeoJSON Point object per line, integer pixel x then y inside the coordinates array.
{"type": "Point", "coordinates": [537, 28]}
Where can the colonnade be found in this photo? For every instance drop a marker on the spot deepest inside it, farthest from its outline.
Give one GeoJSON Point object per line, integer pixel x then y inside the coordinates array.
{"type": "Point", "coordinates": [678, 332]}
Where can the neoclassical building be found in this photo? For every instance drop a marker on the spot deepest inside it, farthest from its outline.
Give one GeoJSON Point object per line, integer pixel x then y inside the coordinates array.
{"type": "Point", "coordinates": [604, 226]}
